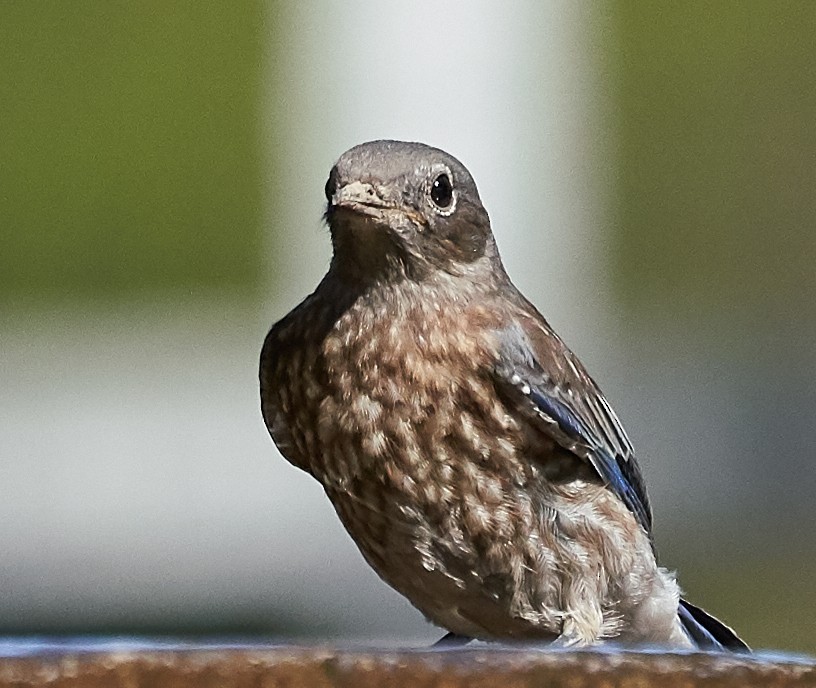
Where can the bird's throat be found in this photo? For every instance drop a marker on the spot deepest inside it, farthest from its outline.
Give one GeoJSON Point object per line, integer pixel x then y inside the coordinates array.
{"type": "Point", "coordinates": [366, 251]}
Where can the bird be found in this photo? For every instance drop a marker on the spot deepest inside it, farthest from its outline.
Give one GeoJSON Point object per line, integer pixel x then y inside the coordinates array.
{"type": "Point", "coordinates": [475, 463]}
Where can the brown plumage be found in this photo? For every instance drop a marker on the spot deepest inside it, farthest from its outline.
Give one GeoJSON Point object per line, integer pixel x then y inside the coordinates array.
{"type": "Point", "coordinates": [466, 450]}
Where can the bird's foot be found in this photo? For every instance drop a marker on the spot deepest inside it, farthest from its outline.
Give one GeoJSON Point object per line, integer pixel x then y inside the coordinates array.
{"type": "Point", "coordinates": [576, 632]}
{"type": "Point", "coordinates": [451, 640]}
{"type": "Point", "coordinates": [566, 640]}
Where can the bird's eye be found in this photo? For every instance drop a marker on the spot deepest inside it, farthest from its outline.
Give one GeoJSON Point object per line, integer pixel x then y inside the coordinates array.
{"type": "Point", "coordinates": [331, 185]}
{"type": "Point", "coordinates": [442, 192]}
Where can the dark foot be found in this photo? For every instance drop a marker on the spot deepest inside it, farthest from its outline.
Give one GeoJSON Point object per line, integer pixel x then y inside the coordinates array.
{"type": "Point", "coordinates": [568, 640]}
{"type": "Point", "coordinates": [450, 640]}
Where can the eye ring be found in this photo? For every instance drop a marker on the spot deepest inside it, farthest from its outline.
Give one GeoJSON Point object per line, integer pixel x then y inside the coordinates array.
{"type": "Point", "coordinates": [441, 193]}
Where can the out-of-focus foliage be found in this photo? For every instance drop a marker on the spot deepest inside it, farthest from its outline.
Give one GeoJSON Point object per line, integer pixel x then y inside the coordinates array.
{"type": "Point", "coordinates": [716, 105]}
{"type": "Point", "coordinates": [130, 148]}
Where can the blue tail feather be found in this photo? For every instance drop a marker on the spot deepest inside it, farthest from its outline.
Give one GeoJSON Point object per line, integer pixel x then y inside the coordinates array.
{"type": "Point", "coordinates": [708, 632]}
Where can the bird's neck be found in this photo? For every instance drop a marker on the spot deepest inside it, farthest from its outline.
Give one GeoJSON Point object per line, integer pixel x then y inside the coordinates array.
{"type": "Point", "coordinates": [395, 292]}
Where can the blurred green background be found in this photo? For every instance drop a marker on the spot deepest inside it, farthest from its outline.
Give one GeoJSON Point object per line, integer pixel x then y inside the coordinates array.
{"type": "Point", "coordinates": [716, 105]}
{"type": "Point", "coordinates": [161, 176]}
{"type": "Point", "coordinates": [131, 158]}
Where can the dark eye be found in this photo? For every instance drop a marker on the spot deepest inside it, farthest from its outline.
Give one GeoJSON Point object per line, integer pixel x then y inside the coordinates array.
{"type": "Point", "coordinates": [331, 184]}
{"type": "Point", "coordinates": [442, 192]}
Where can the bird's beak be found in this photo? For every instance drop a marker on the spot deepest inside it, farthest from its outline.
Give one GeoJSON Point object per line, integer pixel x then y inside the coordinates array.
{"type": "Point", "coordinates": [362, 198]}
{"type": "Point", "coordinates": [374, 202]}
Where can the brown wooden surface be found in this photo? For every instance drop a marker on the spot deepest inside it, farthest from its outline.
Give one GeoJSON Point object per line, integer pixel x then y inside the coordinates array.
{"type": "Point", "coordinates": [292, 667]}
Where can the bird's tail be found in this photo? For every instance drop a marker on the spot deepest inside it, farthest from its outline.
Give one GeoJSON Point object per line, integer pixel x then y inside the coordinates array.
{"type": "Point", "coordinates": [708, 632]}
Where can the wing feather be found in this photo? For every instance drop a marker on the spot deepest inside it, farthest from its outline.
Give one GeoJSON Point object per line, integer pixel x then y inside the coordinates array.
{"type": "Point", "coordinates": [547, 381]}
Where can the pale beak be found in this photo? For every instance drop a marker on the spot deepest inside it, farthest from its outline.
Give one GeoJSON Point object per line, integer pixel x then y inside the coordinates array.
{"type": "Point", "coordinates": [367, 199]}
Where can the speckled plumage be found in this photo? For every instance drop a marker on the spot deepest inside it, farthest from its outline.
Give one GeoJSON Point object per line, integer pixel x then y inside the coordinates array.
{"type": "Point", "coordinates": [473, 460]}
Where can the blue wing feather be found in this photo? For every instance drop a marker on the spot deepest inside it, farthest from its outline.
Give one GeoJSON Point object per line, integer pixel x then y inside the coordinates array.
{"type": "Point", "coordinates": [608, 466]}
{"type": "Point", "coordinates": [550, 382]}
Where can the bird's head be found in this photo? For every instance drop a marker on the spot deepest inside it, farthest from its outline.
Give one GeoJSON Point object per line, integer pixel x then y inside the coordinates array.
{"type": "Point", "coordinates": [404, 210]}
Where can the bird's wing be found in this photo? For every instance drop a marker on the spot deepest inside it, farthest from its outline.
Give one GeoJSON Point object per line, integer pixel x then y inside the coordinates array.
{"type": "Point", "coordinates": [545, 380]}
{"type": "Point", "coordinates": [274, 377]}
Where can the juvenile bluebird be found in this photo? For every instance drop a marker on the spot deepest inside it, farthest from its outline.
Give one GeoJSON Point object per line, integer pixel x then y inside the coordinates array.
{"type": "Point", "coordinates": [475, 463]}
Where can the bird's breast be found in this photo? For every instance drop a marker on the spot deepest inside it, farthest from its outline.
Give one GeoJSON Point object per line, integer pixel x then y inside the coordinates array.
{"type": "Point", "coordinates": [405, 387]}
{"type": "Point", "coordinates": [395, 405]}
